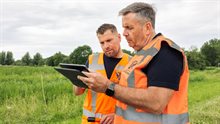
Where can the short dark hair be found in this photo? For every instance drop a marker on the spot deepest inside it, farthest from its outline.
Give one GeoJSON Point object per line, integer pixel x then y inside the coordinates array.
{"type": "Point", "coordinates": [143, 10]}
{"type": "Point", "coordinates": [104, 27]}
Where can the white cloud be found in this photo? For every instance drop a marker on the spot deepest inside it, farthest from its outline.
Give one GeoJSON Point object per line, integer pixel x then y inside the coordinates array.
{"type": "Point", "coordinates": [49, 26]}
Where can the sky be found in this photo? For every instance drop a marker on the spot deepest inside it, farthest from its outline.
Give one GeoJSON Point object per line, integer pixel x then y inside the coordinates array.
{"type": "Point", "coordinates": [50, 26]}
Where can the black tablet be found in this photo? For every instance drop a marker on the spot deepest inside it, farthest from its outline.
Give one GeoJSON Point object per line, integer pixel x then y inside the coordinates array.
{"type": "Point", "coordinates": [72, 74]}
{"type": "Point", "coordinates": [74, 66]}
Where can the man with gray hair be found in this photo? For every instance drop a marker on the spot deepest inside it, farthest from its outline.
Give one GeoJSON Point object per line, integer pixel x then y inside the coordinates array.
{"type": "Point", "coordinates": [153, 85]}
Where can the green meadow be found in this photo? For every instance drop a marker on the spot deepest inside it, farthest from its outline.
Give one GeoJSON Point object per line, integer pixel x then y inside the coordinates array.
{"type": "Point", "coordinates": [41, 95]}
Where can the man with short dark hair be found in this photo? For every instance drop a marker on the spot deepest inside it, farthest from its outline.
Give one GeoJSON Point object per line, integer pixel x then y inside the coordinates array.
{"type": "Point", "coordinates": [98, 107]}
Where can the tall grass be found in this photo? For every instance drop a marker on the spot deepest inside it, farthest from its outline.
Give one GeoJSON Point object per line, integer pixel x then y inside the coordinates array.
{"type": "Point", "coordinates": [41, 95]}
{"type": "Point", "coordinates": [204, 96]}
{"type": "Point", "coordinates": [36, 94]}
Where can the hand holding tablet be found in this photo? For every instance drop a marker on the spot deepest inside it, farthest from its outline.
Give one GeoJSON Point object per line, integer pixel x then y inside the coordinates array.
{"type": "Point", "coordinates": [71, 71]}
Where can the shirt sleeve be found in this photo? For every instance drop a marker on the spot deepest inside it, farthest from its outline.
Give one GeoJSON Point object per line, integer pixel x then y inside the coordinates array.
{"type": "Point", "coordinates": [165, 69]}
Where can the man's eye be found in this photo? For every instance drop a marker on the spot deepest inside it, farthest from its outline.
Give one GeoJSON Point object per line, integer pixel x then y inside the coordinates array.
{"type": "Point", "coordinates": [129, 28]}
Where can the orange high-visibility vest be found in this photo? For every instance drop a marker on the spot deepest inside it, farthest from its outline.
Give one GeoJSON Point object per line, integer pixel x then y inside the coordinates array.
{"type": "Point", "coordinates": [98, 104]}
{"type": "Point", "coordinates": [176, 111]}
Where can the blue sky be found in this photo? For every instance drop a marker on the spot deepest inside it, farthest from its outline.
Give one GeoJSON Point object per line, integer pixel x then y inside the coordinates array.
{"type": "Point", "coordinates": [49, 26]}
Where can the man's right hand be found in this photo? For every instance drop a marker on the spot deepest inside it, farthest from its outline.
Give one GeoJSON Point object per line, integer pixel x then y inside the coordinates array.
{"type": "Point", "coordinates": [107, 119]}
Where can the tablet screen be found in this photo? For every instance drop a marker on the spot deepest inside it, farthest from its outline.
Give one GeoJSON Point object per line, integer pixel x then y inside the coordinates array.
{"type": "Point", "coordinates": [72, 74]}
{"type": "Point", "coordinates": [74, 66]}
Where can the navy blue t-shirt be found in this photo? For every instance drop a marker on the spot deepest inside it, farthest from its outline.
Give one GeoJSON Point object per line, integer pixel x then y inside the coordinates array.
{"type": "Point", "coordinates": [110, 64]}
{"type": "Point", "coordinates": [165, 69]}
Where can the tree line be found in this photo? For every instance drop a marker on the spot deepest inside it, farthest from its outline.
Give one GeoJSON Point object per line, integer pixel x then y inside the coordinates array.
{"type": "Point", "coordinates": [208, 55]}
{"type": "Point", "coordinates": [78, 56]}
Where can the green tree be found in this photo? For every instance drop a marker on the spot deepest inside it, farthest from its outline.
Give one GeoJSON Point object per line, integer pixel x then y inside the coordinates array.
{"type": "Point", "coordinates": [9, 60]}
{"type": "Point", "coordinates": [59, 58]}
{"type": "Point", "coordinates": [56, 59]}
{"type": "Point", "coordinates": [128, 52]}
{"type": "Point", "coordinates": [49, 61]}
{"type": "Point", "coordinates": [195, 59]}
{"type": "Point", "coordinates": [211, 51]}
{"type": "Point", "coordinates": [26, 59]}
{"type": "Point", "coordinates": [80, 54]}
{"type": "Point", "coordinates": [66, 60]}
{"type": "Point", "coordinates": [18, 62]}
{"type": "Point", "coordinates": [2, 58]}
{"type": "Point", "coordinates": [38, 59]}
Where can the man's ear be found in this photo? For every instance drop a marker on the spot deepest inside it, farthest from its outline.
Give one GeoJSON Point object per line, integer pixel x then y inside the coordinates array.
{"type": "Point", "coordinates": [147, 27]}
{"type": "Point", "coordinates": [119, 37]}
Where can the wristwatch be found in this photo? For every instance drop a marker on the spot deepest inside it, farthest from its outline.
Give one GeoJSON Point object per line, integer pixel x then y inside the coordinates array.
{"type": "Point", "coordinates": [110, 91]}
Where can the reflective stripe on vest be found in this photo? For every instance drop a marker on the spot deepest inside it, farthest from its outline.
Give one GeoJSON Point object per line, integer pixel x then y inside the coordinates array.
{"type": "Point", "coordinates": [131, 115]}
{"type": "Point", "coordinates": [133, 78]}
{"type": "Point", "coordinates": [91, 114]}
{"type": "Point", "coordinates": [97, 66]}
{"type": "Point", "coordinates": [149, 52]}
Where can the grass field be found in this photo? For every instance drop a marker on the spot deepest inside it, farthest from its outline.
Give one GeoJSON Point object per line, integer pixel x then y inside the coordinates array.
{"type": "Point", "coordinates": [41, 95]}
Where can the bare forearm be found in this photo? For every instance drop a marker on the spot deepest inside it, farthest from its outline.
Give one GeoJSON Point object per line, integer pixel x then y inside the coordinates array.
{"type": "Point", "coordinates": [132, 97]}
{"type": "Point", "coordinates": [153, 99]}
{"type": "Point", "coordinates": [146, 99]}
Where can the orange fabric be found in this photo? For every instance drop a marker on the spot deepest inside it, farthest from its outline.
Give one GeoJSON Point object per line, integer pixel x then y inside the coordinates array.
{"type": "Point", "coordinates": [178, 103]}
{"type": "Point", "coordinates": [104, 103]}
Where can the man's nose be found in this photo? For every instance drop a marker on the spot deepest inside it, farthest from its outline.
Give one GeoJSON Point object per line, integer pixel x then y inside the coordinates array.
{"type": "Point", "coordinates": [125, 33]}
{"type": "Point", "coordinates": [106, 45]}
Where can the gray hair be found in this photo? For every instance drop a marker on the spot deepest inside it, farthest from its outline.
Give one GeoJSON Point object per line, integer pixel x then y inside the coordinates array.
{"type": "Point", "coordinates": [143, 10]}
{"type": "Point", "coordinates": [104, 27]}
